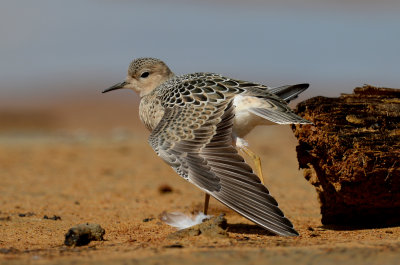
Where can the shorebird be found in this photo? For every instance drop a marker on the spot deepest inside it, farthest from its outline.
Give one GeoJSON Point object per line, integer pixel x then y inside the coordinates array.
{"type": "Point", "coordinates": [196, 121]}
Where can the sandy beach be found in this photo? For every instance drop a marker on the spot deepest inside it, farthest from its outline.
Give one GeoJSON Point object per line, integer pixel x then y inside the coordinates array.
{"type": "Point", "coordinates": [101, 170]}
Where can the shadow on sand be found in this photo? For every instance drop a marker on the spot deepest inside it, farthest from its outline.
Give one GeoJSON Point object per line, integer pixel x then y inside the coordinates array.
{"type": "Point", "coordinates": [248, 229]}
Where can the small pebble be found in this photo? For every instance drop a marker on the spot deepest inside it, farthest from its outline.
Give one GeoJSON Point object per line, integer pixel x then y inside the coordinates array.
{"type": "Point", "coordinates": [26, 214]}
{"type": "Point", "coordinates": [55, 217]}
{"type": "Point", "coordinates": [82, 234]}
{"type": "Point", "coordinates": [165, 188]}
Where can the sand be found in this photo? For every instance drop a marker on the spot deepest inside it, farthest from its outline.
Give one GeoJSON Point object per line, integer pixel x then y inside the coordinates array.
{"type": "Point", "coordinates": [102, 171]}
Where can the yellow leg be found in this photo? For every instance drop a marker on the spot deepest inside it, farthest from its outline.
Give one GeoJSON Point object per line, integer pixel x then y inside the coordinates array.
{"type": "Point", "coordinates": [206, 201]}
{"type": "Point", "coordinates": [256, 161]}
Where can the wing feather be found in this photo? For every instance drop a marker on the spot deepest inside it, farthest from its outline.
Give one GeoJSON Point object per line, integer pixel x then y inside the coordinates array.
{"type": "Point", "coordinates": [279, 115]}
{"type": "Point", "coordinates": [290, 92]}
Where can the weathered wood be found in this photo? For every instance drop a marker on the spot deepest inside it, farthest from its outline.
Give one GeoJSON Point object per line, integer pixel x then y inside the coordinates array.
{"type": "Point", "coordinates": [352, 155]}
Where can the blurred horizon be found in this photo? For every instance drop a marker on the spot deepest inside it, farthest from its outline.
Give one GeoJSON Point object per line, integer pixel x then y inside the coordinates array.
{"type": "Point", "coordinates": [64, 52]}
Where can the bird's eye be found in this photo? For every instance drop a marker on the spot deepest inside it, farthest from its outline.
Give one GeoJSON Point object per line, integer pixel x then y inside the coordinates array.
{"type": "Point", "coordinates": [144, 74]}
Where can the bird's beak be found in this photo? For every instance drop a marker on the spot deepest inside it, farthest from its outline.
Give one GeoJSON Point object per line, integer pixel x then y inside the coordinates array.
{"type": "Point", "coordinates": [116, 86]}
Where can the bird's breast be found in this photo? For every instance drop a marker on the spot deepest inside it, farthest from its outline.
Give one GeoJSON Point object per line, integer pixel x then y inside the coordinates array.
{"type": "Point", "coordinates": [150, 112]}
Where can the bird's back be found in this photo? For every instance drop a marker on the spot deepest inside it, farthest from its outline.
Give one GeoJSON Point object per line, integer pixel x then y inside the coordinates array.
{"type": "Point", "coordinates": [254, 103]}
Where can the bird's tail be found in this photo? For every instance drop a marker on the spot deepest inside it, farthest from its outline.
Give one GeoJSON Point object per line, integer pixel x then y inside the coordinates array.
{"type": "Point", "coordinates": [290, 92]}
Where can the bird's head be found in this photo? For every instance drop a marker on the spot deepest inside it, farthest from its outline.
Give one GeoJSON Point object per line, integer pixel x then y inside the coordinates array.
{"type": "Point", "coordinates": [144, 75]}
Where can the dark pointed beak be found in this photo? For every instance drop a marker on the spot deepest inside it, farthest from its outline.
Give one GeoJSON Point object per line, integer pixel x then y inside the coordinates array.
{"type": "Point", "coordinates": [115, 87]}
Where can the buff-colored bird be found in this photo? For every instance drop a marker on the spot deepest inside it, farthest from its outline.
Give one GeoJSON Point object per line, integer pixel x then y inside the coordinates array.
{"type": "Point", "coordinates": [196, 120]}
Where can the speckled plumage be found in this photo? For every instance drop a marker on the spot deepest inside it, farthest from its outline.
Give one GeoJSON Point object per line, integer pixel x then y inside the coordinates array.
{"type": "Point", "coordinates": [192, 120]}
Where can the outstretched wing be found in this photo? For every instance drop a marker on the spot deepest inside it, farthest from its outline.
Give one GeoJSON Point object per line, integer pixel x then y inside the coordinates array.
{"type": "Point", "coordinates": [270, 106]}
{"type": "Point", "coordinates": [196, 141]}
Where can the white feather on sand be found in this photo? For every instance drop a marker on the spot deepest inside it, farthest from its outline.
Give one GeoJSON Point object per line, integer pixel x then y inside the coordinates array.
{"type": "Point", "coordinates": [181, 220]}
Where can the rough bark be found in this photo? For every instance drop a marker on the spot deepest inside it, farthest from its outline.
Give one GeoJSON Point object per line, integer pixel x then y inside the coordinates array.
{"type": "Point", "coordinates": [352, 155]}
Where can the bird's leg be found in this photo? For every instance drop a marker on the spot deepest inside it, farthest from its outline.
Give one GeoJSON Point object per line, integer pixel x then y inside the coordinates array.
{"type": "Point", "coordinates": [256, 161]}
{"type": "Point", "coordinates": [206, 201]}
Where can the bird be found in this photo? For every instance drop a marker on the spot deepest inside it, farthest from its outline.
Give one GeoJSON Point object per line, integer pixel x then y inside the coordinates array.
{"type": "Point", "coordinates": [198, 120]}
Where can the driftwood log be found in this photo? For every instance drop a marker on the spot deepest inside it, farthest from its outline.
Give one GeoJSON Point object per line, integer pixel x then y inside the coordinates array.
{"type": "Point", "coordinates": [352, 155]}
